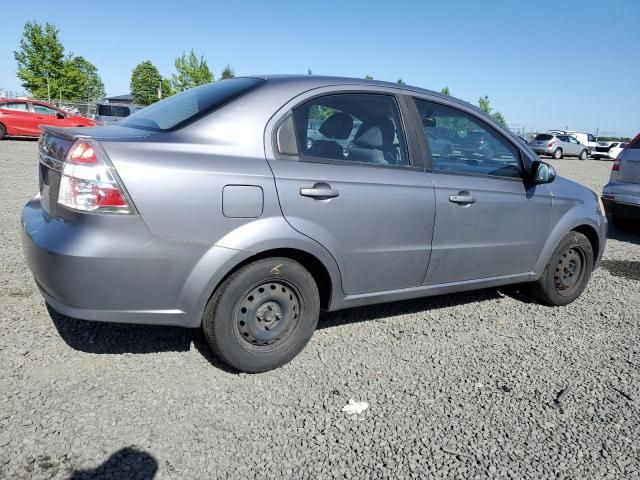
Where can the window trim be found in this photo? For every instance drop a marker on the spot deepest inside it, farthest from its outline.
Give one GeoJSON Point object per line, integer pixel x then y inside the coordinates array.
{"type": "Point", "coordinates": [413, 154]}
{"type": "Point", "coordinates": [424, 144]}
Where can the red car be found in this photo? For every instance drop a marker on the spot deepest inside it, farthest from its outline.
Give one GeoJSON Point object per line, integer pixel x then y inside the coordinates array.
{"type": "Point", "coordinates": [22, 118]}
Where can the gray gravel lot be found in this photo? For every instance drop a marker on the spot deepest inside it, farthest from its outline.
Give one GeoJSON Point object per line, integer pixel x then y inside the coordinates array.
{"type": "Point", "coordinates": [474, 385]}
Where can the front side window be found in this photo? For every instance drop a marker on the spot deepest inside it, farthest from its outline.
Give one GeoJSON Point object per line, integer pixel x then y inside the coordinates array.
{"type": "Point", "coordinates": [358, 127]}
{"type": "Point", "coordinates": [43, 110]}
{"type": "Point", "coordinates": [461, 143]}
{"type": "Point", "coordinates": [591, 138]}
{"type": "Point", "coordinates": [17, 106]}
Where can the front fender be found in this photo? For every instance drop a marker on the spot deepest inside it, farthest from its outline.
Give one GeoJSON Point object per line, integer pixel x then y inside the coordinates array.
{"type": "Point", "coordinates": [573, 206]}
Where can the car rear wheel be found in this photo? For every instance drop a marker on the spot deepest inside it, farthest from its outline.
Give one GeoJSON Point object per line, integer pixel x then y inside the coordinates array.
{"type": "Point", "coordinates": [3, 131]}
{"type": "Point", "coordinates": [583, 155]}
{"type": "Point", "coordinates": [263, 315]}
{"type": "Point", "coordinates": [557, 153]}
{"type": "Point", "coordinates": [567, 273]}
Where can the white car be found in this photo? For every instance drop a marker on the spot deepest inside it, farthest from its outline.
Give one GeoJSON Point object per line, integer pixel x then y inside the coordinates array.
{"type": "Point", "coordinates": [586, 139]}
{"type": "Point", "coordinates": [610, 150]}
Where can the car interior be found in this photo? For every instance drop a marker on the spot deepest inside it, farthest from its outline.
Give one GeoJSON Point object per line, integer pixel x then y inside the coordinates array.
{"type": "Point", "coordinates": [352, 127]}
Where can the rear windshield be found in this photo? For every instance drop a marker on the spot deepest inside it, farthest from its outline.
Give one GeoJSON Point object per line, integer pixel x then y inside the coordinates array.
{"type": "Point", "coordinates": [543, 136]}
{"type": "Point", "coordinates": [182, 108]}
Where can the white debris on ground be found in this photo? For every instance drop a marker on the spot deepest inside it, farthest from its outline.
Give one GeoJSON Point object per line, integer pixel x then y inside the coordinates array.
{"type": "Point", "coordinates": [354, 407]}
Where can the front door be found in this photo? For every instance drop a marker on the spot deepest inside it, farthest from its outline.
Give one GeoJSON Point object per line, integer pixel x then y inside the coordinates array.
{"type": "Point", "coordinates": [353, 188]}
{"type": "Point", "coordinates": [489, 222]}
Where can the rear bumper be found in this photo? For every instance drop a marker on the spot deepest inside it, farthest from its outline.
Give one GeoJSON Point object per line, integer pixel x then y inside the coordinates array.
{"type": "Point", "coordinates": [112, 268]}
{"type": "Point", "coordinates": [622, 199]}
{"type": "Point", "coordinates": [544, 151]}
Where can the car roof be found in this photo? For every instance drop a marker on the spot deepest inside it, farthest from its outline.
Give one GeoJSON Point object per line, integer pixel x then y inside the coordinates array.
{"type": "Point", "coordinates": [317, 81]}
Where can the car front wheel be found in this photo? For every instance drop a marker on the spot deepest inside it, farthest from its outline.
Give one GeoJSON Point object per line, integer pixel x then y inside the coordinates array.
{"type": "Point", "coordinates": [567, 273]}
{"type": "Point", "coordinates": [263, 315]}
{"type": "Point", "coordinates": [583, 155]}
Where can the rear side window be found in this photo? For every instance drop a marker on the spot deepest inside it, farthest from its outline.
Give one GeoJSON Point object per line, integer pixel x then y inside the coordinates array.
{"type": "Point", "coordinates": [543, 136]}
{"type": "Point", "coordinates": [469, 146]}
{"type": "Point", "coordinates": [351, 127]}
{"type": "Point", "coordinates": [17, 106]}
{"type": "Point", "coordinates": [185, 107]}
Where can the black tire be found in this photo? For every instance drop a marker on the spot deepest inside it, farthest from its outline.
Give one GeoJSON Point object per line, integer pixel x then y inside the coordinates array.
{"type": "Point", "coordinates": [622, 223]}
{"type": "Point", "coordinates": [583, 155]}
{"type": "Point", "coordinates": [3, 131]}
{"type": "Point", "coordinates": [557, 153]}
{"type": "Point", "coordinates": [263, 315]}
{"type": "Point", "coordinates": [567, 272]}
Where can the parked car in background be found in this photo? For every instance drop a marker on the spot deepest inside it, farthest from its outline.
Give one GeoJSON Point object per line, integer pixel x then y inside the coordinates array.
{"type": "Point", "coordinates": [23, 118]}
{"type": "Point", "coordinates": [621, 196]}
{"type": "Point", "coordinates": [211, 209]}
{"type": "Point", "coordinates": [607, 150]}
{"type": "Point", "coordinates": [585, 139]}
{"type": "Point", "coordinates": [558, 146]}
{"type": "Point", "coordinates": [107, 113]}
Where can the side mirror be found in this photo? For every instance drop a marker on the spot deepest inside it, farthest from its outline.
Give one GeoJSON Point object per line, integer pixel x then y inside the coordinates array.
{"type": "Point", "coordinates": [428, 122]}
{"type": "Point", "coordinates": [542, 172]}
{"type": "Point", "coordinates": [60, 115]}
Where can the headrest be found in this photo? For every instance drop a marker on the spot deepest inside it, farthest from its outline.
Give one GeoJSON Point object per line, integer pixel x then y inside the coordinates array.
{"type": "Point", "coordinates": [378, 133]}
{"type": "Point", "coordinates": [338, 126]}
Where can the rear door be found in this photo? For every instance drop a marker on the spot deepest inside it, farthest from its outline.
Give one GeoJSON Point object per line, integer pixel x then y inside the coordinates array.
{"type": "Point", "coordinates": [354, 183]}
{"type": "Point", "coordinates": [18, 119]}
{"type": "Point", "coordinates": [489, 223]}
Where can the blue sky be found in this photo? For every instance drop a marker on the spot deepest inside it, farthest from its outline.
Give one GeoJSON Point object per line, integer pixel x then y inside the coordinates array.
{"type": "Point", "coordinates": [544, 64]}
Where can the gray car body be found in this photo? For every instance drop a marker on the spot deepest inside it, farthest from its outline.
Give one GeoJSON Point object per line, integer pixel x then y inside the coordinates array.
{"type": "Point", "coordinates": [569, 145]}
{"type": "Point", "coordinates": [215, 194]}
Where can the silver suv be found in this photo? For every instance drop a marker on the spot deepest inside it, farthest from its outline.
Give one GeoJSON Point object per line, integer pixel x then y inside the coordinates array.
{"type": "Point", "coordinates": [621, 196]}
{"type": "Point", "coordinates": [213, 209]}
{"type": "Point", "coordinates": [558, 146]}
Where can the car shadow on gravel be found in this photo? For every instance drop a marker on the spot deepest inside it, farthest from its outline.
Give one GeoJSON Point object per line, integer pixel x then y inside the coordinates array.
{"type": "Point", "coordinates": [629, 269]}
{"type": "Point", "coordinates": [126, 463]}
{"type": "Point", "coordinates": [118, 338]}
{"type": "Point", "coordinates": [407, 307]}
{"type": "Point", "coordinates": [628, 236]}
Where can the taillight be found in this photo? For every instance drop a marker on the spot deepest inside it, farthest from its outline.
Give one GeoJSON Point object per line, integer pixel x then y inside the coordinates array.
{"type": "Point", "coordinates": [550, 144]}
{"type": "Point", "coordinates": [88, 183]}
{"type": "Point", "coordinates": [616, 165]}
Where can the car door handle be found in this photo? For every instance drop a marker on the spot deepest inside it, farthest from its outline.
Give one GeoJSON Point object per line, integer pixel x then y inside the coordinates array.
{"type": "Point", "coordinates": [463, 198]}
{"type": "Point", "coordinates": [320, 191]}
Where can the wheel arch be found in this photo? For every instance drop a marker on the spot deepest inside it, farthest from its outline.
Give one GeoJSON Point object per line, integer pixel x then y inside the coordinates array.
{"type": "Point", "coordinates": [315, 266]}
{"type": "Point", "coordinates": [592, 235]}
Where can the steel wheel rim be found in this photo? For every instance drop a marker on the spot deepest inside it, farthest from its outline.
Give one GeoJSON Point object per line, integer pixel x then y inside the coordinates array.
{"type": "Point", "coordinates": [267, 314]}
{"type": "Point", "coordinates": [569, 271]}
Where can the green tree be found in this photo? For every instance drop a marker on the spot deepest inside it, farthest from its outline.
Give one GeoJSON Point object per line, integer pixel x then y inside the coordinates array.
{"type": "Point", "coordinates": [498, 117]}
{"type": "Point", "coordinates": [81, 81]}
{"type": "Point", "coordinates": [445, 91]}
{"type": "Point", "coordinates": [368, 77]}
{"type": "Point", "coordinates": [227, 73]}
{"type": "Point", "coordinates": [400, 81]}
{"type": "Point", "coordinates": [146, 83]}
{"type": "Point", "coordinates": [191, 72]}
{"type": "Point", "coordinates": [40, 59]}
{"type": "Point", "coordinates": [484, 104]}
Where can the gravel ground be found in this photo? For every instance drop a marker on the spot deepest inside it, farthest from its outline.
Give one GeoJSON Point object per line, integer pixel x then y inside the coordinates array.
{"type": "Point", "coordinates": [474, 385]}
